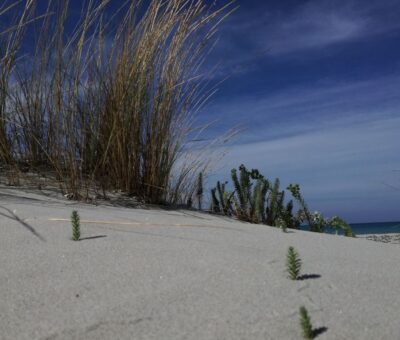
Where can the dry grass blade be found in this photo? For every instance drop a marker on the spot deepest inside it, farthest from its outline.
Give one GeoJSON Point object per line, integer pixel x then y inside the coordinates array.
{"type": "Point", "coordinates": [110, 107]}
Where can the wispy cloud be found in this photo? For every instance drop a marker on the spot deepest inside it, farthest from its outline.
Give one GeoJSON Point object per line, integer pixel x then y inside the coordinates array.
{"type": "Point", "coordinates": [312, 26]}
{"type": "Point", "coordinates": [286, 32]}
{"type": "Point", "coordinates": [300, 109]}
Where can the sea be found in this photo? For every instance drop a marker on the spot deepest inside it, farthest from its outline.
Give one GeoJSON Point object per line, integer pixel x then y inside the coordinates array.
{"type": "Point", "coordinates": [369, 228]}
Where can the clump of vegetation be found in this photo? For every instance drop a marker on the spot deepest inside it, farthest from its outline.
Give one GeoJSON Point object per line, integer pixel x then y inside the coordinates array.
{"type": "Point", "coordinates": [111, 105]}
{"type": "Point", "coordinates": [316, 220]}
{"type": "Point", "coordinates": [221, 200]}
{"type": "Point", "coordinates": [254, 199]}
{"type": "Point", "coordinates": [248, 202]}
{"type": "Point", "coordinates": [305, 324]}
{"type": "Point", "coordinates": [280, 223]}
{"type": "Point", "coordinates": [76, 226]}
{"type": "Point", "coordinates": [293, 263]}
{"type": "Point", "coordinates": [339, 223]}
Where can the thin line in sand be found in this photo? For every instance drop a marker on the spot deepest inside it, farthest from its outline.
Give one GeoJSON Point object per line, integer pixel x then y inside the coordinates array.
{"type": "Point", "coordinates": [128, 223]}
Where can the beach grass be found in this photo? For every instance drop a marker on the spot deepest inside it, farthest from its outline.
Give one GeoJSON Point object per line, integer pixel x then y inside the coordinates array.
{"type": "Point", "coordinates": [111, 103]}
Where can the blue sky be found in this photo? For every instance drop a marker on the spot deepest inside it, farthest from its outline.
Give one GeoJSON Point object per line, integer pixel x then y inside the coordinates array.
{"type": "Point", "coordinates": [317, 86]}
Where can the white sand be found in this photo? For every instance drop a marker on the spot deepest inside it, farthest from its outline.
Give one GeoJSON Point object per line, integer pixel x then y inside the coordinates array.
{"type": "Point", "coordinates": [214, 278]}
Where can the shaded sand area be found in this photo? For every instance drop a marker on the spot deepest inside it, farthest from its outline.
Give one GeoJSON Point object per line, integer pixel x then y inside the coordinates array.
{"type": "Point", "coordinates": [159, 274]}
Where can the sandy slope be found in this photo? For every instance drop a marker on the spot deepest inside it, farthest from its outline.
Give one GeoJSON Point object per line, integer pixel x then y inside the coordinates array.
{"type": "Point", "coordinates": [210, 278]}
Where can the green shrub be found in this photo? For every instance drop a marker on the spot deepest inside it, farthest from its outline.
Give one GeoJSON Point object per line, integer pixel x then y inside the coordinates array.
{"type": "Point", "coordinates": [316, 220]}
{"type": "Point", "coordinates": [339, 223]}
{"type": "Point", "coordinates": [255, 200]}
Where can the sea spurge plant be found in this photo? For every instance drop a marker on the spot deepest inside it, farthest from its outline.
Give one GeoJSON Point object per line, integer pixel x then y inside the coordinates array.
{"type": "Point", "coordinates": [224, 198]}
{"type": "Point", "coordinates": [258, 201]}
{"type": "Point", "coordinates": [254, 199]}
{"type": "Point", "coordinates": [339, 223]}
{"type": "Point", "coordinates": [215, 208]}
{"type": "Point", "coordinates": [281, 223]}
{"type": "Point", "coordinates": [304, 211]}
{"type": "Point", "coordinates": [305, 324]}
{"type": "Point", "coordinates": [291, 220]}
{"type": "Point", "coordinates": [249, 196]}
{"type": "Point", "coordinates": [316, 220]}
{"type": "Point", "coordinates": [293, 263]}
{"type": "Point", "coordinates": [274, 203]}
{"type": "Point", "coordinates": [221, 200]}
{"type": "Point", "coordinates": [76, 226]}
{"type": "Point", "coordinates": [242, 185]}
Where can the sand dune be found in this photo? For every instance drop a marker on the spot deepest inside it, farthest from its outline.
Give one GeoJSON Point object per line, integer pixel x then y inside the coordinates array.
{"type": "Point", "coordinates": [163, 274]}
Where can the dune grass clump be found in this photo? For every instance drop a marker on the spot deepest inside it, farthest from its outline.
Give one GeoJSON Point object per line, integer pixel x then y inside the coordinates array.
{"type": "Point", "coordinates": [293, 264]}
{"type": "Point", "coordinates": [76, 226]}
{"type": "Point", "coordinates": [107, 101]}
{"type": "Point", "coordinates": [305, 324]}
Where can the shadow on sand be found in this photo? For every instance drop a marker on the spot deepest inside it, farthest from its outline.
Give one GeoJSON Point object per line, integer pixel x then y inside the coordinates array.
{"type": "Point", "coordinates": [14, 217]}
{"type": "Point", "coordinates": [318, 331]}
{"type": "Point", "coordinates": [92, 237]}
{"type": "Point", "coordinates": [309, 277]}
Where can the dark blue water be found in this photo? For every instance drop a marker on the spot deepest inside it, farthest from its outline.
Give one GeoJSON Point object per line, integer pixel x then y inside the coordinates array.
{"type": "Point", "coordinates": [376, 228]}
{"type": "Point", "coordinates": [369, 228]}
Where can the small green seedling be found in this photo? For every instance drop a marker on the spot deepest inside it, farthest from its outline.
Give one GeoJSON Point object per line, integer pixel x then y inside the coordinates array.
{"type": "Point", "coordinates": [280, 223]}
{"type": "Point", "coordinates": [293, 264]}
{"type": "Point", "coordinates": [76, 226]}
{"type": "Point", "coordinates": [305, 323]}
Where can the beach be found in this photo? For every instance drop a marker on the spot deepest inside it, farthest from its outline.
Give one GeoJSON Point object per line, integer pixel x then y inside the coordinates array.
{"type": "Point", "coordinates": [153, 273]}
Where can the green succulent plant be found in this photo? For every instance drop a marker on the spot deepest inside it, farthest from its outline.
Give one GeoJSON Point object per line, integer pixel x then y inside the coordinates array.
{"type": "Point", "coordinates": [255, 200]}
{"type": "Point", "coordinates": [215, 208]}
{"type": "Point", "coordinates": [339, 223]}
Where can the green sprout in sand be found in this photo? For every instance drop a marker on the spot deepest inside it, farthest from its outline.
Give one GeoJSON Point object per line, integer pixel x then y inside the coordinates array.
{"type": "Point", "coordinates": [76, 226]}
{"type": "Point", "coordinates": [305, 323]}
{"type": "Point", "coordinates": [293, 263]}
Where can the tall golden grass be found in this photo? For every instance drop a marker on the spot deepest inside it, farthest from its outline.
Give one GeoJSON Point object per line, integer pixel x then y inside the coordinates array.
{"type": "Point", "coordinates": [110, 104]}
